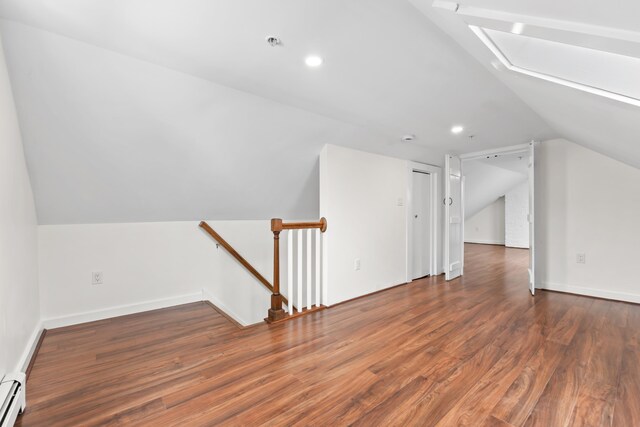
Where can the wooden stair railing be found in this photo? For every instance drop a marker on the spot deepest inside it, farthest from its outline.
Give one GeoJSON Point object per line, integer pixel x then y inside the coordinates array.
{"type": "Point", "coordinates": [218, 238]}
{"type": "Point", "coordinates": [276, 313]}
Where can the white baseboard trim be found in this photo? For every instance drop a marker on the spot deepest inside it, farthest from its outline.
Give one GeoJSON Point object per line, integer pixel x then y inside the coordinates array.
{"type": "Point", "coordinates": [485, 242]}
{"type": "Point", "coordinates": [590, 292]}
{"type": "Point", "coordinates": [121, 310]}
{"type": "Point", "coordinates": [517, 246]}
{"type": "Point", "coordinates": [208, 296]}
{"type": "Point", "coordinates": [25, 358]}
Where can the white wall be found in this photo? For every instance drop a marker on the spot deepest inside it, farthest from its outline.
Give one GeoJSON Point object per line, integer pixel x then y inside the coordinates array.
{"type": "Point", "coordinates": [359, 196]}
{"type": "Point", "coordinates": [158, 264]}
{"type": "Point", "coordinates": [516, 210]}
{"type": "Point", "coordinates": [587, 203]}
{"type": "Point", "coordinates": [487, 226]}
{"type": "Point", "coordinates": [150, 265]}
{"type": "Point", "coordinates": [19, 306]}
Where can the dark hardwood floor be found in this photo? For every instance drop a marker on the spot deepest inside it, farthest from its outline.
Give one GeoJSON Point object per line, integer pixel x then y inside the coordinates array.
{"type": "Point", "coordinates": [475, 351]}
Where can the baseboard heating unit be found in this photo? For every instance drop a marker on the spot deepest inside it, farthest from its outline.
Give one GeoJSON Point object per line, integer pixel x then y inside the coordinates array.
{"type": "Point", "coordinates": [12, 398]}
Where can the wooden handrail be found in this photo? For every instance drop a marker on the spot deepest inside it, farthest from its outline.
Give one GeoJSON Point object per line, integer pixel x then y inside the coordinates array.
{"type": "Point", "coordinates": [279, 225]}
{"type": "Point", "coordinates": [240, 258]}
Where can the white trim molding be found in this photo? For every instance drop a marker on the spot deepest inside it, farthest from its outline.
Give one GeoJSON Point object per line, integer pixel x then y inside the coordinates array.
{"type": "Point", "coordinates": [29, 349]}
{"type": "Point", "coordinates": [590, 292]}
{"type": "Point", "coordinates": [485, 242]}
{"type": "Point", "coordinates": [121, 310]}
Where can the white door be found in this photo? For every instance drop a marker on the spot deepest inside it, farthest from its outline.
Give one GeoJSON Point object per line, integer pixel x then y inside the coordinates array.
{"type": "Point", "coordinates": [532, 240]}
{"type": "Point", "coordinates": [421, 218]}
{"type": "Point", "coordinates": [453, 211]}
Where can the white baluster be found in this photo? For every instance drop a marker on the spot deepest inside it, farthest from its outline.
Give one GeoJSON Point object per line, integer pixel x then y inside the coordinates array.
{"type": "Point", "coordinates": [309, 231]}
{"type": "Point", "coordinates": [324, 277]}
{"type": "Point", "coordinates": [299, 284]}
{"type": "Point", "coordinates": [290, 270]}
{"type": "Point", "coordinates": [317, 281]}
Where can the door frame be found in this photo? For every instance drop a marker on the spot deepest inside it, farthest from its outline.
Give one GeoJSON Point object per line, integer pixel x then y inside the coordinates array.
{"type": "Point", "coordinates": [435, 172]}
{"type": "Point", "coordinates": [513, 149]}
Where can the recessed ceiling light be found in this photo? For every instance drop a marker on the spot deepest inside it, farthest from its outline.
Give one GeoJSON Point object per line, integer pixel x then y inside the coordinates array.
{"type": "Point", "coordinates": [517, 28]}
{"type": "Point", "coordinates": [408, 138]}
{"type": "Point", "coordinates": [313, 61]}
{"type": "Point", "coordinates": [457, 129]}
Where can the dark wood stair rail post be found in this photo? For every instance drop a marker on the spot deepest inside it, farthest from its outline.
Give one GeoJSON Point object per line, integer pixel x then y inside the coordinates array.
{"type": "Point", "coordinates": [276, 312]}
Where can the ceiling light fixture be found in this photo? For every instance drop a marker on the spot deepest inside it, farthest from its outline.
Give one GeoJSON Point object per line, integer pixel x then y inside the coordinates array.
{"type": "Point", "coordinates": [457, 129]}
{"type": "Point", "coordinates": [517, 28]}
{"type": "Point", "coordinates": [313, 61]}
{"type": "Point", "coordinates": [408, 138]}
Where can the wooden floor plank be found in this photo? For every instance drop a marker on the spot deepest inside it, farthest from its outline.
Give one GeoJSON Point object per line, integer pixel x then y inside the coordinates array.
{"type": "Point", "coordinates": [557, 403]}
{"type": "Point", "coordinates": [627, 407]}
{"type": "Point", "coordinates": [478, 350]}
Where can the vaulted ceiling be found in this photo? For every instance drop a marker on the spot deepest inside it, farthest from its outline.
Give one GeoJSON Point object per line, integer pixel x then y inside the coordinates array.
{"type": "Point", "coordinates": [487, 179]}
{"type": "Point", "coordinates": [603, 125]}
{"type": "Point", "coordinates": [151, 110]}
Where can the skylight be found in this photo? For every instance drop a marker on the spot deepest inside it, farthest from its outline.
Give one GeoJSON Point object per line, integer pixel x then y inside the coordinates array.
{"type": "Point", "coordinates": [600, 60]}
{"type": "Point", "coordinates": [603, 73]}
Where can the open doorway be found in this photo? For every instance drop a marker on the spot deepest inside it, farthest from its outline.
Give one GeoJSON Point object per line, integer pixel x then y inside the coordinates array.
{"type": "Point", "coordinates": [496, 206]}
{"type": "Point", "coordinates": [498, 202]}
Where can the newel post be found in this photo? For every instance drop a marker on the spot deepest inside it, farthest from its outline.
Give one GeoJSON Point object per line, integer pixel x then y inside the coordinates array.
{"type": "Point", "coordinates": [276, 312]}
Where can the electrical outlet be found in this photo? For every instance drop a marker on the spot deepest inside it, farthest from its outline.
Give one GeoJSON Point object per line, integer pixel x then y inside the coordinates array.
{"type": "Point", "coordinates": [581, 259]}
{"type": "Point", "coordinates": [356, 264]}
{"type": "Point", "coordinates": [96, 278]}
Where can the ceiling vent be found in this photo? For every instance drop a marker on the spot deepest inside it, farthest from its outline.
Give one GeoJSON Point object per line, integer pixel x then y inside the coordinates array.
{"type": "Point", "coordinates": [273, 41]}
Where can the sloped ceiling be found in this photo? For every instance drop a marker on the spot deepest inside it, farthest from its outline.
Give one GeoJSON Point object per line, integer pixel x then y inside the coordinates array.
{"type": "Point", "coordinates": [151, 110]}
{"type": "Point", "coordinates": [609, 127]}
{"type": "Point", "coordinates": [488, 179]}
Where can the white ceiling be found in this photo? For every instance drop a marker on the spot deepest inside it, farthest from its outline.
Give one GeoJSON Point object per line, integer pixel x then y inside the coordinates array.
{"type": "Point", "coordinates": [603, 125]}
{"type": "Point", "coordinates": [148, 110]}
